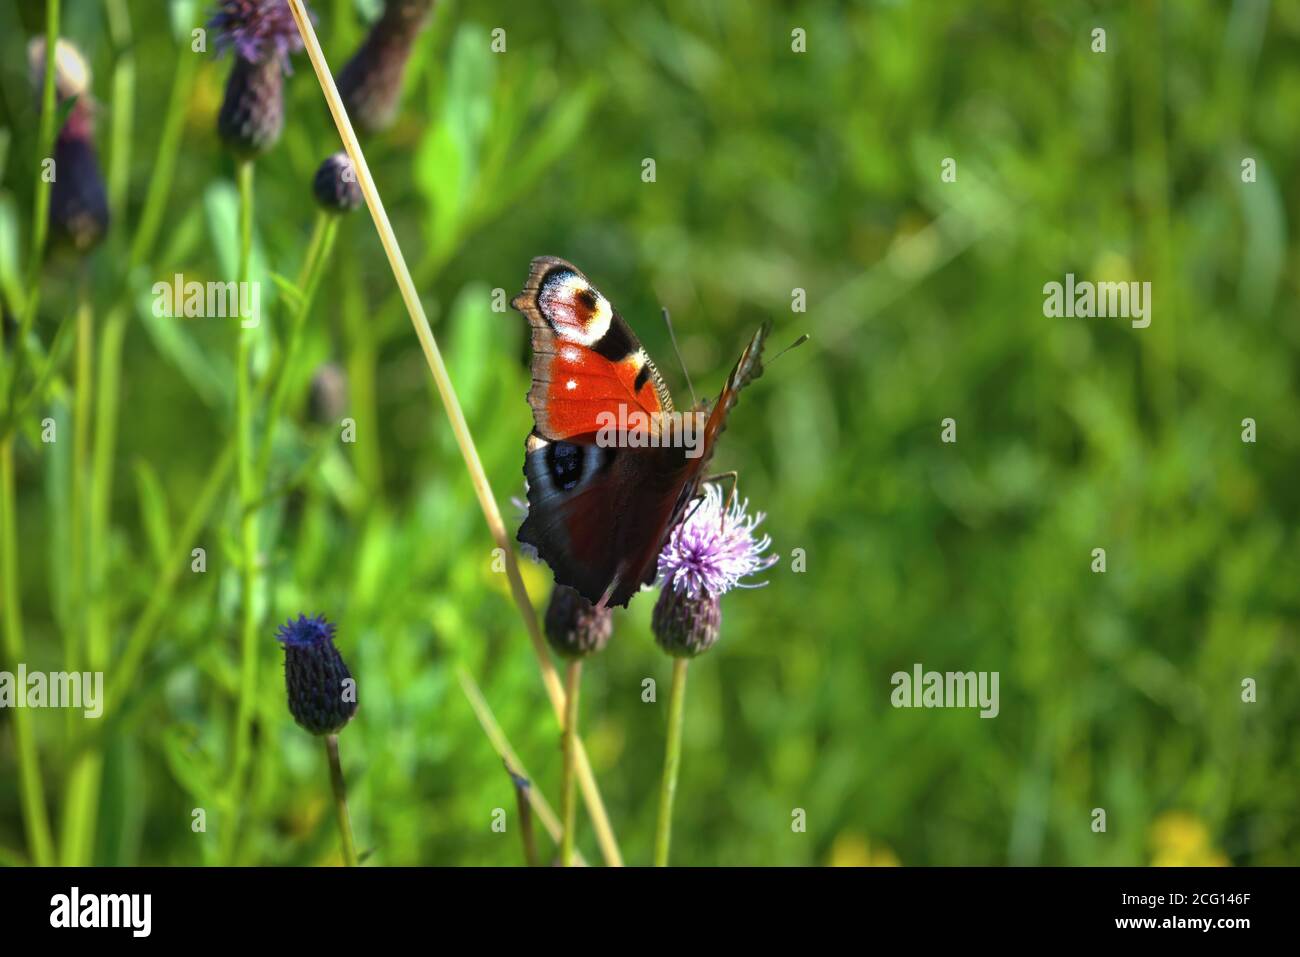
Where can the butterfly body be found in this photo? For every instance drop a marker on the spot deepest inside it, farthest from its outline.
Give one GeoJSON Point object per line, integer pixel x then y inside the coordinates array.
{"type": "Point", "coordinates": [610, 465]}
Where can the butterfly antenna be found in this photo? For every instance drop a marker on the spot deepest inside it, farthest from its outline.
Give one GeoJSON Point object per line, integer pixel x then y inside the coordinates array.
{"type": "Point", "coordinates": [680, 361]}
{"type": "Point", "coordinates": [798, 342]}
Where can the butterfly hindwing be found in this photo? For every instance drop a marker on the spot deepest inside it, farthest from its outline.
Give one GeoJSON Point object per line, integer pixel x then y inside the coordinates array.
{"type": "Point", "coordinates": [598, 515]}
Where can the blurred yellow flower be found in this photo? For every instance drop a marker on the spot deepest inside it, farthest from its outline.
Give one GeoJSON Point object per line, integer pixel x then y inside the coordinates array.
{"type": "Point", "coordinates": [853, 850]}
{"type": "Point", "coordinates": [1181, 839]}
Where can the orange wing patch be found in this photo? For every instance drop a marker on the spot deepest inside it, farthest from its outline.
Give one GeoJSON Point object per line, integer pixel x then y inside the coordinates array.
{"type": "Point", "coordinates": [589, 371]}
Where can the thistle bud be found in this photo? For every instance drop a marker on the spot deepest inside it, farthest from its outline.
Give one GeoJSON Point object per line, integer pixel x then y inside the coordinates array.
{"type": "Point", "coordinates": [686, 625]}
{"type": "Point", "coordinates": [329, 394]}
{"type": "Point", "coordinates": [262, 34]}
{"type": "Point", "coordinates": [322, 695]}
{"type": "Point", "coordinates": [575, 628]}
{"type": "Point", "coordinates": [78, 214]}
{"type": "Point", "coordinates": [252, 111]}
{"type": "Point", "coordinates": [370, 84]}
{"type": "Point", "coordinates": [336, 186]}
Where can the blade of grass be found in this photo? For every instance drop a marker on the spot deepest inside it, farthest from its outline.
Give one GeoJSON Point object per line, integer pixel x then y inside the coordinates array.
{"type": "Point", "coordinates": [488, 721]}
{"type": "Point", "coordinates": [433, 356]}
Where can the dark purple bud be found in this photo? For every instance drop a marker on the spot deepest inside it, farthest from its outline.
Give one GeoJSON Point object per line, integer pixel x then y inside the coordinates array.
{"type": "Point", "coordinates": [322, 694]}
{"type": "Point", "coordinates": [371, 82]}
{"type": "Point", "coordinates": [686, 626]}
{"type": "Point", "coordinates": [252, 113]}
{"type": "Point", "coordinates": [78, 215]}
{"type": "Point", "coordinates": [336, 186]}
{"type": "Point", "coordinates": [575, 628]}
{"type": "Point", "coordinates": [78, 202]}
{"type": "Point", "coordinates": [329, 394]}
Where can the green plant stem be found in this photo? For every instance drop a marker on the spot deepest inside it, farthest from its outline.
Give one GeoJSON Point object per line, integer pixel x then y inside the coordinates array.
{"type": "Point", "coordinates": [123, 677]}
{"type": "Point", "coordinates": [569, 791]}
{"type": "Point", "coordinates": [31, 791]}
{"type": "Point", "coordinates": [359, 327]}
{"type": "Point", "coordinates": [75, 627]}
{"type": "Point", "coordinates": [340, 799]}
{"type": "Point", "coordinates": [501, 744]}
{"type": "Point", "coordinates": [41, 201]}
{"type": "Point", "coordinates": [81, 811]}
{"type": "Point", "coordinates": [247, 519]}
{"type": "Point", "coordinates": [672, 760]}
{"type": "Point", "coordinates": [31, 788]}
{"type": "Point", "coordinates": [318, 255]}
{"type": "Point", "coordinates": [164, 163]}
{"type": "Point", "coordinates": [525, 817]}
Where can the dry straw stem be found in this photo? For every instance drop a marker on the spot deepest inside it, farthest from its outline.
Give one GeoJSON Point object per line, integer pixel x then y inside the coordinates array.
{"type": "Point", "coordinates": [488, 721]}
{"type": "Point", "coordinates": [590, 792]}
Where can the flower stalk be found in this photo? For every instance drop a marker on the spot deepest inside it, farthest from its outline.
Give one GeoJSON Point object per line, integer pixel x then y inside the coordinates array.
{"type": "Point", "coordinates": [568, 793]}
{"type": "Point", "coordinates": [672, 762]}
{"type": "Point", "coordinates": [340, 799]}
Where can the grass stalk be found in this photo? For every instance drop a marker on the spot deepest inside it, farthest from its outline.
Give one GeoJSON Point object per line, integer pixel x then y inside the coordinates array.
{"type": "Point", "coordinates": [41, 201]}
{"type": "Point", "coordinates": [31, 791]}
{"type": "Point", "coordinates": [488, 722]}
{"type": "Point", "coordinates": [247, 520]}
{"type": "Point", "coordinates": [568, 795]}
{"type": "Point", "coordinates": [460, 429]}
{"type": "Point", "coordinates": [672, 761]}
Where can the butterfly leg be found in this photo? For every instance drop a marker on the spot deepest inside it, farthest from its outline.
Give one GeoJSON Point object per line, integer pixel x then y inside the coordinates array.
{"type": "Point", "coordinates": [735, 484]}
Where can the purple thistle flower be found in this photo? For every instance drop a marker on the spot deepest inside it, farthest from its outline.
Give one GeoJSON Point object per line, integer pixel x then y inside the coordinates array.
{"type": "Point", "coordinates": [257, 30]}
{"type": "Point", "coordinates": [710, 552]}
{"type": "Point", "coordinates": [263, 34]}
{"type": "Point", "coordinates": [321, 692]}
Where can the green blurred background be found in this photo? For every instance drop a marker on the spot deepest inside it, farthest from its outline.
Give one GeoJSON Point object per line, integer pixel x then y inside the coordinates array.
{"type": "Point", "coordinates": [775, 170]}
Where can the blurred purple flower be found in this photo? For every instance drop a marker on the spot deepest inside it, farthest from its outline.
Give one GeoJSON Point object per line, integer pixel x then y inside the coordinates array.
{"type": "Point", "coordinates": [257, 30]}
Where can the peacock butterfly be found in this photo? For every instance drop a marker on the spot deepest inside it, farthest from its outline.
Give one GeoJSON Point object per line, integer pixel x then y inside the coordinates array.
{"type": "Point", "coordinates": [610, 465]}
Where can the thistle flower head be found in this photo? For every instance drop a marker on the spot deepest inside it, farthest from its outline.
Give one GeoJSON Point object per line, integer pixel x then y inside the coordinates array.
{"type": "Point", "coordinates": [78, 213]}
{"type": "Point", "coordinates": [575, 627]}
{"type": "Point", "coordinates": [371, 82]}
{"type": "Point", "coordinates": [256, 30]}
{"type": "Point", "coordinates": [335, 185]}
{"type": "Point", "coordinates": [714, 548]}
{"type": "Point", "coordinates": [686, 625]}
{"type": "Point", "coordinates": [321, 692]}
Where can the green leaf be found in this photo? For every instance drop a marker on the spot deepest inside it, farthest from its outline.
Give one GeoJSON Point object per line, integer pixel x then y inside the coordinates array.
{"type": "Point", "coordinates": [209, 374]}
{"type": "Point", "coordinates": [447, 161]}
{"type": "Point", "coordinates": [221, 203]}
{"type": "Point", "coordinates": [153, 512]}
{"type": "Point", "coordinates": [10, 279]}
{"type": "Point", "coordinates": [192, 769]}
{"type": "Point", "coordinates": [289, 289]}
{"type": "Point", "coordinates": [471, 328]}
